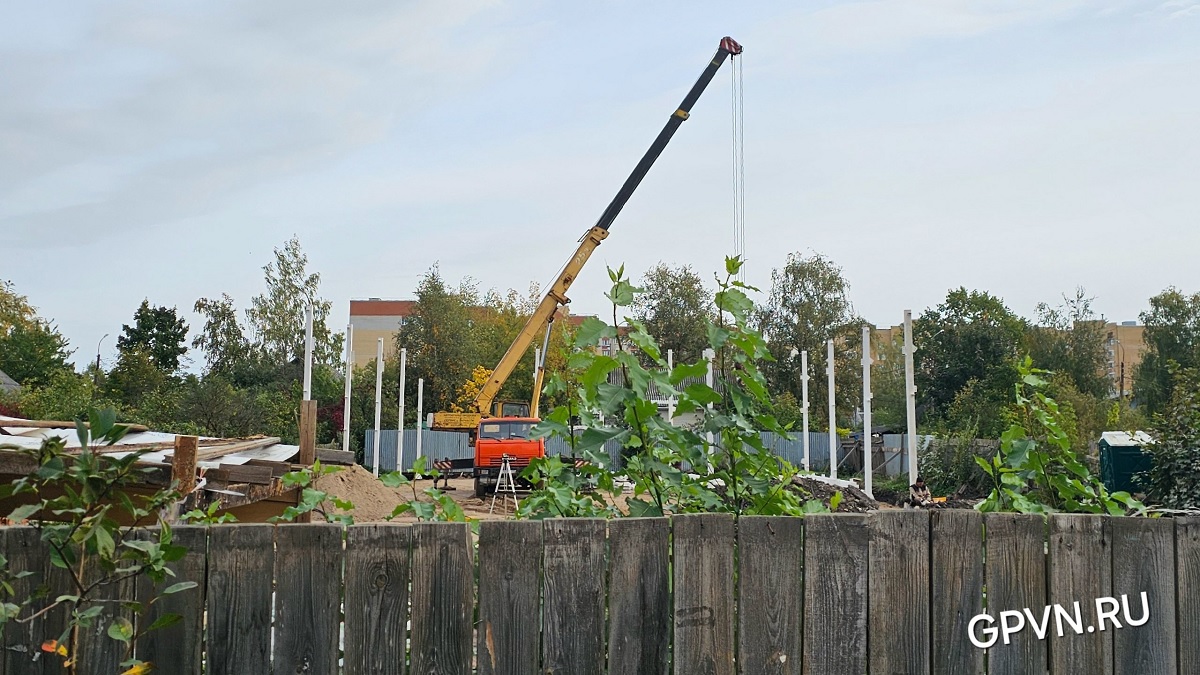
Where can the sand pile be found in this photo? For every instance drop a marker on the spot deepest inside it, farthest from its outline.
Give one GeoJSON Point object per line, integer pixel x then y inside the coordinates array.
{"type": "Point", "coordinates": [373, 501]}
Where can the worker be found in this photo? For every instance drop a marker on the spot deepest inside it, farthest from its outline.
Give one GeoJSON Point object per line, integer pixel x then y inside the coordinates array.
{"type": "Point", "coordinates": [918, 493]}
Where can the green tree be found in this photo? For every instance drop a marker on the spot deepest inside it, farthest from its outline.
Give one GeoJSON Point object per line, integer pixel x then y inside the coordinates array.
{"type": "Point", "coordinates": [159, 333]}
{"type": "Point", "coordinates": [808, 305]}
{"type": "Point", "coordinates": [1068, 339]}
{"type": "Point", "coordinates": [33, 353]}
{"type": "Point", "coordinates": [1174, 479]}
{"type": "Point", "coordinates": [222, 339]}
{"type": "Point", "coordinates": [15, 309]}
{"type": "Point", "coordinates": [1172, 335]}
{"type": "Point", "coordinates": [966, 361]}
{"type": "Point", "coordinates": [439, 338]}
{"type": "Point", "coordinates": [675, 307]}
{"type": "Point", "coordinates": [135, 376]}
{"type": "Point", "coordinates": [277, 316]}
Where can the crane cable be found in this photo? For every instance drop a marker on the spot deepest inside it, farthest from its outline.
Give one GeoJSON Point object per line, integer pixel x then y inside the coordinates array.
{"type": "Point", "coordinates": [739, 166]}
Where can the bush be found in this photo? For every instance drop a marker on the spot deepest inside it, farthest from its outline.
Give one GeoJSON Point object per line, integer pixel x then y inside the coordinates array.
{"type": "Point", "coordinates": [1174, 480]}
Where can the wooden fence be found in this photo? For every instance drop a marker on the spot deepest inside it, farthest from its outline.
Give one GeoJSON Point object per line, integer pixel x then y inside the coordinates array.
{"type": "Point", "coordinates": [889, 592]}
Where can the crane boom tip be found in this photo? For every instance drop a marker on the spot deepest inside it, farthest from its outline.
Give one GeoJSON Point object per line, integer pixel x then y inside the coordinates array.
{"type": "Point", "coordinates": [730, 45]}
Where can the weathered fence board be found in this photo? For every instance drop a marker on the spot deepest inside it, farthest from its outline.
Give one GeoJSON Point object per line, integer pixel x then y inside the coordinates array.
{"type": "Point", "coordinates": [1143, 561]}
{"type": "Point", "coordinates": [574, 590]}
{"type": "Point", "coordinates": [22, 642]}
{"type": "Point", "coordinates": [770, 598]}
{"type": "Point", "coordinates": [1016, 580]}
{"type": "Point", "coordinates": [178, 648]}
{"type": "Point", "coordinates": [703, 557]}
{"type": "Point", "coordinates": [1080, 571]}
{"type": "Point", "coordinates": [898, 579]}
{"type": "Point", "coordinates": [241, 562]}
{"type": "Point", "coordinates": [377, 573]}
{"type": "Point", "coordinates": [510, 564]}
{"type": "Point", "coordinates": [835, 594]}
{"type": "Point", "coordinates": [956, 561]}
{"type": "Point", "coordinates": [96, 652]}
{"type": "Point", "coordinates": [1187, 571]}
{"type": "Point", "coordinates": [308, 581]}
{"type": "Point", "coordinates": [655, 595]}
{"type": "Point", "coordinates": [639, 626]}
{"type": "Point", "coordinates": [443, 591]}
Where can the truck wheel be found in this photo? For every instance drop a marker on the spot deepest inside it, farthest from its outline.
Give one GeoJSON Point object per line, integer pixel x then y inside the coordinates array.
{"type": "Point", "coordinates": [480, 488]}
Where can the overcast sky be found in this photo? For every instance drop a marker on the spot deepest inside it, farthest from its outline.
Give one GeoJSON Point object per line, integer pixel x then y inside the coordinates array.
{"type": "Point", "coordinates": [1023, 147]}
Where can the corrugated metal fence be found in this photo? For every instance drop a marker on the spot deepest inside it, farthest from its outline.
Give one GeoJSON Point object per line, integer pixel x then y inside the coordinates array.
{"type": "Point", "coordinates": [454, 445]}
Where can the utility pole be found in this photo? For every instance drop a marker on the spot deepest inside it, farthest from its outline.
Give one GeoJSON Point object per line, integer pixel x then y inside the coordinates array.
{"type": "Point", "coordinates": [96, 374]}
{"type": "Point", "coordinates": [348, 377]}
{"type": "Point", "coordinates": [910, 397]}
{"type": "Point", "coordinates": [308, 352]}
{"type": "Point", "coordinates": [378, 402]}
{"type": "Point", "coordinates": [671, 400]}
{"type": "Point", "coordinates": [400, 417]}
{"type": "Point", "coordinates": [868, 460]}
{"type": "Point", "coordinates": [804, 403]}
{"type": "Point", "coordinates": [420, 411]}
{"type": "Point", "coordinates": [833, 439]}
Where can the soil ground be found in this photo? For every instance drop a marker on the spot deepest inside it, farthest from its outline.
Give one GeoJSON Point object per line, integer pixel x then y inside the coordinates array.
{"type": "Point", "coordinates": [374, 502]}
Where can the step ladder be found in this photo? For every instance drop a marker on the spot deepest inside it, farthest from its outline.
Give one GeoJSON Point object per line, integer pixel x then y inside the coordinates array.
{"type": "Point", "coordinates": [506, 484]}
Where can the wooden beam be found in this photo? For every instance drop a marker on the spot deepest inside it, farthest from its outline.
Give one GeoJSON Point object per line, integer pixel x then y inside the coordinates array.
{"type": "Point", "coordinates": [237, 473]}
{"type": "Point", "coordinates": [183, 463]}
{"type": "Point", "coordinates": [230, 448]}
{"type": "Point", "coordinates": [58, 424]}
{"type": "Point", "coordinates": [308, 432]}
{"type": "Point", "coordinates": [328, 456]}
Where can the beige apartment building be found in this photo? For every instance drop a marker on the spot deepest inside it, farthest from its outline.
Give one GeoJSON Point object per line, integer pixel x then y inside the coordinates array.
{"type": "Point", "coordinates": [376, 318]}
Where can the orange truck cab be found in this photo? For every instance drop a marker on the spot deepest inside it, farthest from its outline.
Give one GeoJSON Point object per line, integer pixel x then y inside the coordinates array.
{"type": "Point", "coordinates": [500, 436]}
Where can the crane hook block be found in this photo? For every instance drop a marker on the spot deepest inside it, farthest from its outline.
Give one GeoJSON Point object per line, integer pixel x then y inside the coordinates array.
{"type": "Point", "coordinates": [730, 45]}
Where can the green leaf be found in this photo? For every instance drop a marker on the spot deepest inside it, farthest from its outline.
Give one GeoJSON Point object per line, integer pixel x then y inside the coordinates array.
{"type": "Point", "coordinates": [835, 500]}
{"type": "Point", "coordinates": [120, 629]}
{"type": "Point", "coordinates": [164, 621]}
{"type": "Point", "coordinates": [591, 330]}
{"type": "Point", "coordinates": [24, 512]}
{"type": "Point", "coordinates": [733, 265]}
{"type": "Point", "coordinates": [181, 586]}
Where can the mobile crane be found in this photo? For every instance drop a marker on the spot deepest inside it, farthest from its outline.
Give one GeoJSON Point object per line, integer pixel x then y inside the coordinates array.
{"type": "Point", "coordinates": [500, 427]}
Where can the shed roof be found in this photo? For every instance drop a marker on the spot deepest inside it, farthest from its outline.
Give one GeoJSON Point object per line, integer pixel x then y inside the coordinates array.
{"type": "Point", "coordinates": [1125, 439]}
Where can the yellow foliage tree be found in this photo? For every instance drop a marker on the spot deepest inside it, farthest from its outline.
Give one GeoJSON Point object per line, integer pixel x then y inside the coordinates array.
{"type": "Point", "coordinates": [467, 391]}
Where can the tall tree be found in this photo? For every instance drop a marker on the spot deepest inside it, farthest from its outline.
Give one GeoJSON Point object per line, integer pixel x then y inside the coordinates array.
{"type": "Point", "coordinates": [1172, 335]}
{"type": "Point", "coordinates": [808, 305]}
{"type": "Point", "coordinates": [277, 316]}
{"type": "Point", "coordinates": [158, 332]}
{"type": "Point", "coordinates": [966, 360]}
{"type": "Point", "coordinates": [32, 350]}
{"type": "Point", "coordinates": [1068, 339]}
{"type": "Point", "coordinates": [226, 349]}
{"type": "Point", "coordinates": [674, 307]}
{"type": "Point", "coordinates": [438, 337]}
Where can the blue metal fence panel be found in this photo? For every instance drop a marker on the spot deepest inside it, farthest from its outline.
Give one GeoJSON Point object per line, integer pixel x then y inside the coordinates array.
{"type": "Point", "coordinates": [434, 444]}
{"type": "Point", "coordinates": [454, 445]}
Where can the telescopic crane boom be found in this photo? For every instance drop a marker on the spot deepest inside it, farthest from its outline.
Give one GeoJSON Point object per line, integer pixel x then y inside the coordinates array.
{"type": "Point", "coordinates": [557, 294]}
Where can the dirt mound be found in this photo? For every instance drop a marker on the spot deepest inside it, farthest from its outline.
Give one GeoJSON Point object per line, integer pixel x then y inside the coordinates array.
{"type": "Point", "coordinates": [373, 501]}
{"type": "Point", "coordinates": [853, 499]}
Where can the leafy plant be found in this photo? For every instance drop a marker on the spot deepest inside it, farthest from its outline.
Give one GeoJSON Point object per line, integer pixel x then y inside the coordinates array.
{"type": "Point", "coordinates": [96, 530]}
{"type": "Point", "coordinates": [208, 516]}
{"type": "Point", "coordinates": [1174, 479]}
{"type": "Point", "coordinates": [1035, 470]}
{"type": "Point", "coordinates": [439, 506]}
{"type": "Point", "coordinates": [717, 463]}
{"type": "Point", "coordinates": [313, 500]}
